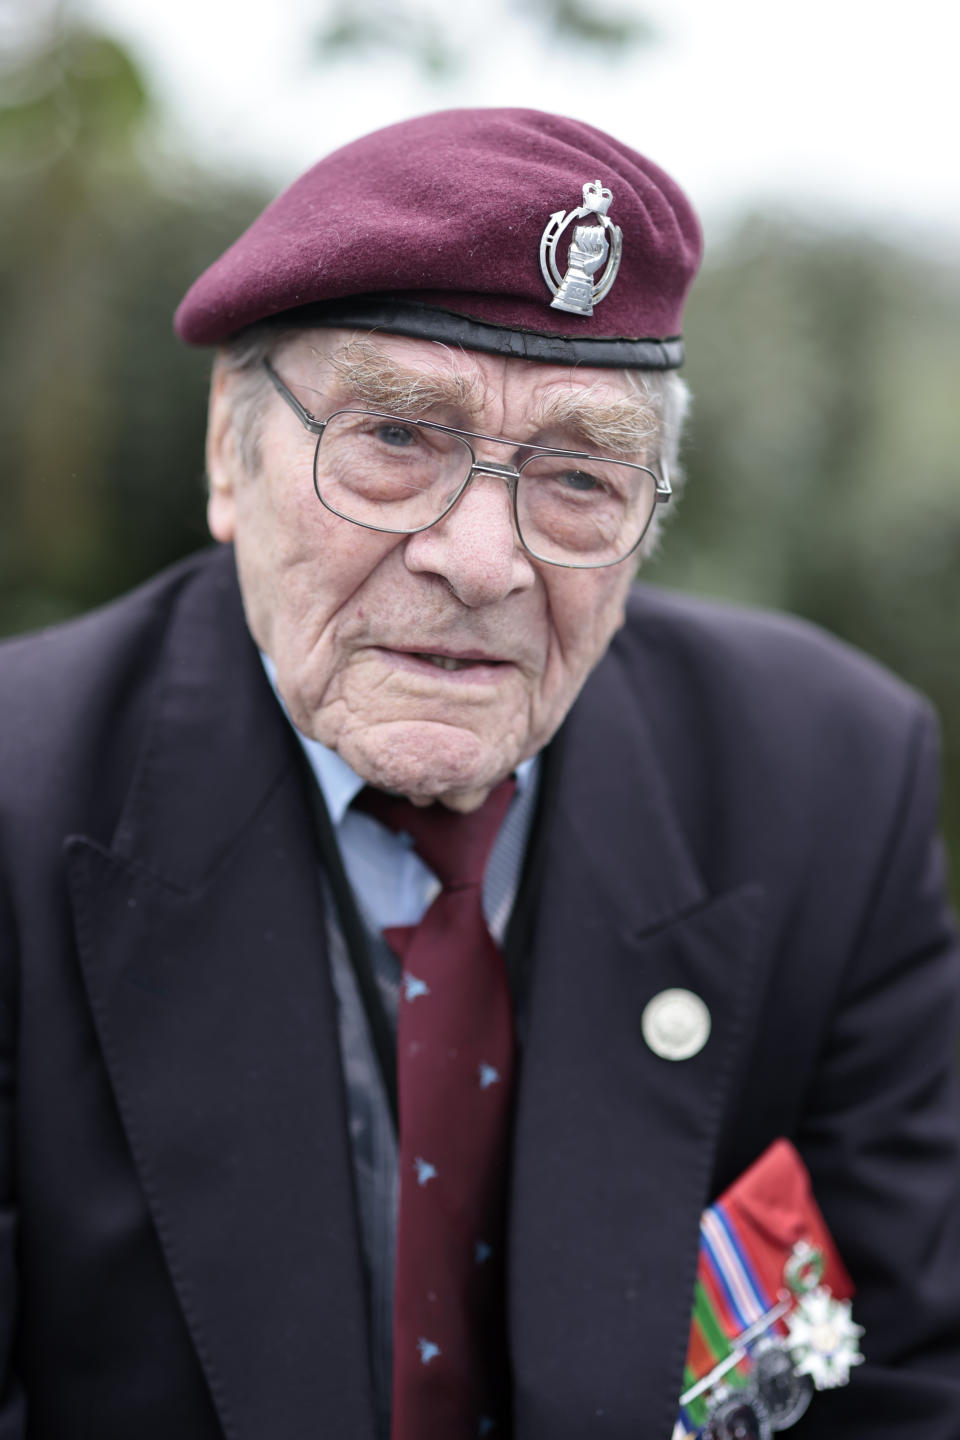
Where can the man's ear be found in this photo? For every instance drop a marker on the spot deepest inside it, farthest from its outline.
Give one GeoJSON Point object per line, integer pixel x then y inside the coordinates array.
{"type": "Point", "coordinates": [223, 460]}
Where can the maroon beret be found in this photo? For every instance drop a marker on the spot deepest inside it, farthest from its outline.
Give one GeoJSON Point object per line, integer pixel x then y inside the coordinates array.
{"type": "Point", "coordinates": [510, 231]}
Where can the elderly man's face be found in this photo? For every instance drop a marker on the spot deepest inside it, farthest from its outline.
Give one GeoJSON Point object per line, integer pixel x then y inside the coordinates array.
{"type": "Point", "coordinates": [356, 621]}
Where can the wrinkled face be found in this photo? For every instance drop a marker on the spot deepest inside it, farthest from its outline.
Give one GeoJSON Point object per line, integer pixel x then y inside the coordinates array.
{"type": "Point", "coordinates": [435, 662]}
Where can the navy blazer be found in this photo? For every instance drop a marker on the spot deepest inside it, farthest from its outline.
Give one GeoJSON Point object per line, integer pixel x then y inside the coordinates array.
{"type": "Point", "coordinates": [742, 807]}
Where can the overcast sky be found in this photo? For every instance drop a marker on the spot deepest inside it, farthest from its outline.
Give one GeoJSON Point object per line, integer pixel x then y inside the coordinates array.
{"type": "Point", "coordinates": [844, 108]}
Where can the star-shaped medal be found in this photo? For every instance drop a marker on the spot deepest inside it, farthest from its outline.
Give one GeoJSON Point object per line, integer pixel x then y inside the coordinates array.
{"type": "Point", "coordinates": [824, 1339]}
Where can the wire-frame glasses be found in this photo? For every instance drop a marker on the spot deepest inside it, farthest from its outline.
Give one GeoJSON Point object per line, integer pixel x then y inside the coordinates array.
{"type": "Point", "coordinates": [389, 473]}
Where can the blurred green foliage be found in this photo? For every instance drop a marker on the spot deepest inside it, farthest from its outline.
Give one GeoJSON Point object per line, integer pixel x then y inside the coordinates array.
{"type": "Point", "coordinates": [358, 28]}
{"type": "Point", "coordinates": [101, 410]}
{"type": "Point", "coordinates": [823, 458]}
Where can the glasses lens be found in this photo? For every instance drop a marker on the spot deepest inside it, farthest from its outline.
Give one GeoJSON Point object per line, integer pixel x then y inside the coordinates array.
{"type": "Point", "coordinates": [583, 511]}
{"type": "Point", "coordinates": [389, 473]}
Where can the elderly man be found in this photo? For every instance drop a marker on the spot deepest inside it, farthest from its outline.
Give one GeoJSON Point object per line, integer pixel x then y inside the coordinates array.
{"type": "Point", "coordinates": [406, 927]}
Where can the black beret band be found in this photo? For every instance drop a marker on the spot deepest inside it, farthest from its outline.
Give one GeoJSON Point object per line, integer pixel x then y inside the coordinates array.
{"type": "Point", "coordinates": [427, 322]}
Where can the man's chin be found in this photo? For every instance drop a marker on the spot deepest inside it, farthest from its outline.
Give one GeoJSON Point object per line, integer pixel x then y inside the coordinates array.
{"type": "Point", "coordinates": [426, 761]}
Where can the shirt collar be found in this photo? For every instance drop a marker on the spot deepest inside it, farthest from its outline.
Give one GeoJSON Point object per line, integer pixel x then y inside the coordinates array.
{"type": "Point", "coordinates": [338, 781]}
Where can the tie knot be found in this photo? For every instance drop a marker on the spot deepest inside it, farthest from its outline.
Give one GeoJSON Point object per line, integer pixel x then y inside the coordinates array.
{"type": "Point", "coordinates": [455, 846]}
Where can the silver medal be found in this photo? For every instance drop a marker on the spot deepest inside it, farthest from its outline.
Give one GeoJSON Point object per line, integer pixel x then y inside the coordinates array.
{"type": "Point", "coordinates": [784, 1393]}
{"type": "Point", "coordinates": [738, 1417]}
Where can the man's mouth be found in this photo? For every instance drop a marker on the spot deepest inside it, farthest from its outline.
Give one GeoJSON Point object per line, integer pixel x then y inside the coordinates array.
{"type": "Point", "coordinates": [475, 663]}
{"type": "Point", "coordinates": [450, 662]}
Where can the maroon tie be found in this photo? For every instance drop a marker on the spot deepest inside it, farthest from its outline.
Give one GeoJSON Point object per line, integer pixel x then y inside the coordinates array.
{"type": "Point", "coordinates": [455, 1051]}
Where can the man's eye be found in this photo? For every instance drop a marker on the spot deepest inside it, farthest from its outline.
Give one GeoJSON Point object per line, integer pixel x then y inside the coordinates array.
{"type": "Point", "coordinates": [395, 435]}
{"type": "Point", "coordinates": [580, 480]}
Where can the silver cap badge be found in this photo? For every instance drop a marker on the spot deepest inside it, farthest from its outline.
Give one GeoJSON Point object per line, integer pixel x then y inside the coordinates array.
{"type": "Point", "coordinates": [591, 246]}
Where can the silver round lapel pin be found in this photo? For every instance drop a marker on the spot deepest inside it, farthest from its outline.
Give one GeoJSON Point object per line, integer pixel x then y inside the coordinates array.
{"type": "Point", "coordinates": [676, 1024]}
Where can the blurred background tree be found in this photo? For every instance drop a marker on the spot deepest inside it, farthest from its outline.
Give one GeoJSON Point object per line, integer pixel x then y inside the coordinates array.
{"type": "Point", "coordinates": [351, 28]}
{"type": "Point", "coordinates": [823, 454]}
{"type": "Point", "coordinates": [101, 414]}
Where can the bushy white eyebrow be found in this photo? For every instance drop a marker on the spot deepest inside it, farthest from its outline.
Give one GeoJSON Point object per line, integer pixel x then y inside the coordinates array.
{"type": "Point", "coordinates": [628, 425]}
{"type": "Point", "coordinates": [375, 378]}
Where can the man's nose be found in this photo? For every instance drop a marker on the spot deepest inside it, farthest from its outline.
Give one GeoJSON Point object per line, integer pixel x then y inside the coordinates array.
{"type": "Point", "coordinates": [475, 547]}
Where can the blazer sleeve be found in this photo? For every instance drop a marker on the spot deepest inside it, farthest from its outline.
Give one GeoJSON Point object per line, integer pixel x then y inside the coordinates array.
{"type": "Point", "coordinates": [12, 1408]}
{"type": "Point", "coordinates": [881, 1135]}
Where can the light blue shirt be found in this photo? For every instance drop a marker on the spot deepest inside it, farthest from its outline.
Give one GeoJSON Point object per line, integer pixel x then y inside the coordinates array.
{"type": "Point", "coordinates": [391, 884]}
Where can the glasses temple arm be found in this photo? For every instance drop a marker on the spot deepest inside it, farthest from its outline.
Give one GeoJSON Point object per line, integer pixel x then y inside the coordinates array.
{"type": "Point", "coordinates": [310, 422]}
{"type": "Point", "coordinates": [664, 488]}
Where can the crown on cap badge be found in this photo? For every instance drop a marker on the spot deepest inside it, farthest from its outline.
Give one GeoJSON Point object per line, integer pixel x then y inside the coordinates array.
{"type": "Point", "coordinates": [592, 246]}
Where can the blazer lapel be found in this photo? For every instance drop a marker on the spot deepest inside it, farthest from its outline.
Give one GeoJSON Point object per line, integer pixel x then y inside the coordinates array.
{"type": "Point", "coordinates": [200, 934]}
{"type": "Point", "coordinates": [615, 1145]}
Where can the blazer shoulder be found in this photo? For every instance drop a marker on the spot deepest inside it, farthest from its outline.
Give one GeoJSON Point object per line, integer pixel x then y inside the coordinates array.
{"type": "Point", "coordinates": [790, 757]}
{"type": "Point", "coordinates": [52, 671]}
{"type": "Point", "coordinates": [75, 695]}
{"type": "Point", "coordinates": [761, 667]}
